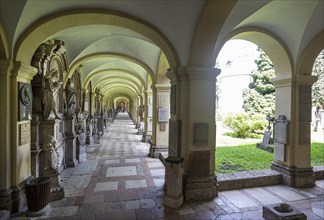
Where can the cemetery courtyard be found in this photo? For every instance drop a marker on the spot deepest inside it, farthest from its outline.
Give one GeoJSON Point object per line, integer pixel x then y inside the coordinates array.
{"type": "Point", "coordinates": [237, 154]}
{"type": "Point", "coordinates": [230, 159]}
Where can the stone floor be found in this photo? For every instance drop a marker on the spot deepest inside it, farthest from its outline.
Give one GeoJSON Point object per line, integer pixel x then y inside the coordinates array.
{"type": "Point", "coordinates": [118, 181]}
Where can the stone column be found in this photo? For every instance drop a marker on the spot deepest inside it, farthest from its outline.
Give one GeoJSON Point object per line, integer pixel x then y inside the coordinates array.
{"type": "Point", "coordinates": [160, 128]}
{"type": "Point", "coordinates": [195, 93]}
{"type": "Point", "coordinates": [70, 142]}
{"type": "Point", "coordinates": [201, 181]}
{"type": "Point", "coordinates": [5, 144]}
{"type": "Point", "coordinates": [148, 115]}
{"type": "Point", "coordinates": [173, 182]}
{"type": "Point", "coordinates": [293, 99]}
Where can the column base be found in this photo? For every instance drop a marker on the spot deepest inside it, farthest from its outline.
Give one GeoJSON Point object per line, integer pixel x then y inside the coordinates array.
{"type": "Point", "coordinates": [197, 189]}
{"type": "Point", "coordinates": [57, 192]}
{"type": "Point", "coordinates": [156, 150]}
{"type": "Point", "coordinates": [295, 177]}
{"type": "Point", "coordinates": [71, 163]}
{"type": "Point", "coordinates": [5, 199]}
{"type": "Point", "coordinates": [19, 199]}
{"type": "Point", "coordinates": [173, 202]}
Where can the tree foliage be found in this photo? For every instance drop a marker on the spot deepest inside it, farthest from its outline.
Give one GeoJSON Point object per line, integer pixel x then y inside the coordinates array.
{"type": "Point", "coordinates": [260, 96]}
{"type": "Point", "coordinates": [318, 87]}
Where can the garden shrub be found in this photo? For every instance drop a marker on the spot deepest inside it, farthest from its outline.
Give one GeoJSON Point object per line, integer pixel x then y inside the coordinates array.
{"type": "Point", "coordinates": [244, 125]}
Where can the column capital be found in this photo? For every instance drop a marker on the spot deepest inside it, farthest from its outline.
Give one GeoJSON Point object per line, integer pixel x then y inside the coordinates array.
{"type": "Point", "coordinates": [303, 79]}
{"type": "Point", "coordinates": [172, 75]}
{"type": "Point", "coordinates": [148, 92]}
{"type": "Point", "coordinates": [161, 87]}
{"type": "Point", "coordinates": [6, 67]}
{"type": "Point", "coordinates": [202, 73]}
{"type": "Point", "coordinates": [23, 70]}
{"type": "Point", "coordinates": [300, 79]}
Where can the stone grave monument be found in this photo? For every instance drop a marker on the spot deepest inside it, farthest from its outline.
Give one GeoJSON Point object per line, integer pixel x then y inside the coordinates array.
{"type": "Point", "coordinates": [267, 141]}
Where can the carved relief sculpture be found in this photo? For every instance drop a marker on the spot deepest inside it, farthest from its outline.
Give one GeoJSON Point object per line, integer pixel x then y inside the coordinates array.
{"type": "Point", "coordinates": [50, 85]}
{"type": "Point", "coordinates": [97, 101]}
{"type": "Point", "coordinates": [70, 98]}
{"type": "Point", "coordinates": [51, 164]}
{"type": "Point", "coordinates": [141, 112]}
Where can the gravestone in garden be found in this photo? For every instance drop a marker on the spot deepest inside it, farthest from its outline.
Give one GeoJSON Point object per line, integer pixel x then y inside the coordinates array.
{"type": "Point", "coordinates": [267, 142]}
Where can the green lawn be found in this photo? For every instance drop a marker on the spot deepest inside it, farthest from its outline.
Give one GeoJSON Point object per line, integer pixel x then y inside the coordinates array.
{"type": "Point", "coordinates": [248, 157]}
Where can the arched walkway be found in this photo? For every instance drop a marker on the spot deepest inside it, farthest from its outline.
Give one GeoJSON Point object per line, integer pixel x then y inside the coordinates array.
{"type": "Point", "coordinates": [117, 180]}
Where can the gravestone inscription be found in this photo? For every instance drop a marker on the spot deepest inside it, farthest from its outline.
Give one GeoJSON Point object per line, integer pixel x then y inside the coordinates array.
{"type": "Point", "coordinates": [199, 163]}
{"type": "Point", "coordinates": [280, 137]}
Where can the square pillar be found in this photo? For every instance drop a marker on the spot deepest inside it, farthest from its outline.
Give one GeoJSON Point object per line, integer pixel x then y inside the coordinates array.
{"type": "Point", "coordinates": [160, 126]}
{"type": "Point", "coordinates": [293, 160]}
{"type": "Point", "coordinates": [70, 142]}
{"type": "Point", "coordinates": [193, 96]}
{"type": "Point", "coordinates": [5, 142]}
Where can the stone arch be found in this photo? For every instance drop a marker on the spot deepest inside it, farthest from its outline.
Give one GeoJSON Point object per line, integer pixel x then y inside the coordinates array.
{"type": "Point", "coordinates": [106, 79]}
{"type": "Point", "coordinates": [4, 48]}
{"type": "Point", "coordinates": [307, 59]}
{"type": "Point", "coordinates": [269, 43]}
{"type": "Point", "coordinates": [209, 26]}
{"type": "Point", "coordinates": [45, 28]}
{"type": "Point", "coordinates": [163, 67]}
{"type": "Point", "coordinates": [102, 55]}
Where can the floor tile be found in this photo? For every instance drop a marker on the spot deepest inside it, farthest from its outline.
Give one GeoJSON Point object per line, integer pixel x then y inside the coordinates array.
{"type": "Point", "coordinates": [285, 193]}
{"type": "Point", "coordinates": [238, 199]}
{"type": "Point", "coordinates": [121, 171]}
{"type": "Point", "coordinates": [106, 186]}
{"type": "Point", "coordinates": [135, 204]}
{"type": "Point", "coordinates": [132, 184]}
{"type": "Point", "coordinates": [135, 160]}
{"type": "Point", "coordinates": [157, 172]}
{"type": "Point", "coordinates": [111, 161]}
{"type": "Point", "coordinates": [147, 203]}
{"type": "Point", "coordinates": [158, 182]}
{"type": "Point", "coordinates": [263, 196]}
{"type": "Point", "coordinates": [155, 165]}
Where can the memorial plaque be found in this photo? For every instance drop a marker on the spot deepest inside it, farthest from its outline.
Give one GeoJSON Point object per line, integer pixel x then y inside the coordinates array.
{"type": "Point", "coordinates": [163, 115]}
{"type": "Point", "coordinates": [279, 151]}
{"type": "Point", "coordinates": [280, 130]}
{"type": "Point", "coordinates": [174, 134]}
{"type": "Point", "coordinates": [201, 134]}
{"type": "Point", "coordinates": [199, 163]}
{"type": "Point", "coordinates": [24, 134]}
{"type": "Point", "coordinates": [305, 106]}
{"type": "Point", "coordinates": [24, 101]}
{"type": "Point", "coordinates": [305, 94]}
{"type": "Point", "coordinates": [305, 112]}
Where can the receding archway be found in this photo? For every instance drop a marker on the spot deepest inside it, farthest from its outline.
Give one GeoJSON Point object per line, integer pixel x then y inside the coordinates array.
{"type": "Point", "coordinates": [44, 29]}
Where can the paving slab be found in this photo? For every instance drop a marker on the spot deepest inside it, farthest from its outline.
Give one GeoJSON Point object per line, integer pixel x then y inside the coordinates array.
{"type": "Point", "coordinates": [263, 196]}
{"type": "Point", "coordinates": [121, 171]}
{"type": "Point", "coordinates": [238, 199]}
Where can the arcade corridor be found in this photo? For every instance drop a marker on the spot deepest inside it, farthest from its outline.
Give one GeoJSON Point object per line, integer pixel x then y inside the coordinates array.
{"type": "Point", "coordinates": [117, 180]}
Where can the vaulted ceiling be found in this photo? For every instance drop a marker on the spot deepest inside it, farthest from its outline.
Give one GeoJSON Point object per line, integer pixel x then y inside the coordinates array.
{"type": "Point", "coordinates": [122, 44]}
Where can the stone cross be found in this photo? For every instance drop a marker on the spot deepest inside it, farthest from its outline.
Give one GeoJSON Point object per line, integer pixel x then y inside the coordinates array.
{"type": "Point", "coordinates": [269, 119]}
